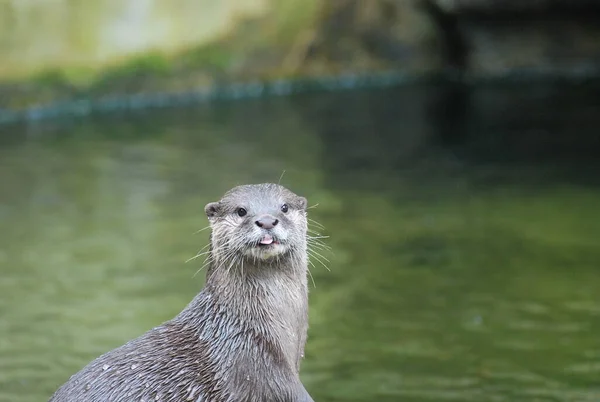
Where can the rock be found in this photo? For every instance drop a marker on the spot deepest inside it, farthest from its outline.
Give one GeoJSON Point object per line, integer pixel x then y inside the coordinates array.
{"type": "Point", "coordinates": [375, 34]}
{"type": "Point", "coordinates": [544, 36]}
{"type": "Point", "coordinates": [514, 6]}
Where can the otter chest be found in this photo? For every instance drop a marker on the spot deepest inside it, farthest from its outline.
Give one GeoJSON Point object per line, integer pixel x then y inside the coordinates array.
{"type": "Point", "coordinates": [285, 305]}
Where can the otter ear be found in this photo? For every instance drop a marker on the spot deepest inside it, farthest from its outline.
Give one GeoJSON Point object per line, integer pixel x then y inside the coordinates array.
{"type": "Point", "coordinates": [303, 203]}
{"type": "Point", "coordinates": [212, 209]}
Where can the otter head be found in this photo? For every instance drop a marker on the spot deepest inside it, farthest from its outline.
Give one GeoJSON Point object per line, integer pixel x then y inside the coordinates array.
{"type": "Point", "coordinates": [259, 222]}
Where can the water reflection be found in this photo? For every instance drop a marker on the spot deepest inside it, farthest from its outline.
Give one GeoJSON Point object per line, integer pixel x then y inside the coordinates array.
{"type": "Point", "coordinates": [464, 225]}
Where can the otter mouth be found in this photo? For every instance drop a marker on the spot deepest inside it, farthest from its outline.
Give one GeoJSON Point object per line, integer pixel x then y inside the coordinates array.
{"type": "Point", "coordinates": [267, 241]}
{"type": "Point", "coordinates": [265, 247]}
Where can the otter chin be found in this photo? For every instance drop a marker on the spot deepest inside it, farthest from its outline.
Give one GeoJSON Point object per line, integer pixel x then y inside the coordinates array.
{"type": "Point", "coordinates": [242, 338]}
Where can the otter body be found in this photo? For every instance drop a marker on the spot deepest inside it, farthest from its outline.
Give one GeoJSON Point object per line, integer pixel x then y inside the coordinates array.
{"type": "Point", "coordinates": [242, 337]}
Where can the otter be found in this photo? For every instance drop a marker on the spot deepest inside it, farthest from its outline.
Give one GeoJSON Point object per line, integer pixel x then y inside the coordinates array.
{"type": "Point", "coordinates": [242, 337]}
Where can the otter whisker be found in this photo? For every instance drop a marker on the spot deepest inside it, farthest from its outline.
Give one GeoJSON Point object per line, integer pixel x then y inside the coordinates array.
{"type": "Point", "coordinates": [281, 177]}
{"type": "Point", "coordinates": [224, 254]}
{"type": "Point", "coordinates": [309, 262]}
{"type": "Point", "coordinates": [321, 263]}
{"type": "Point", "coordinates": [231, 258]}
{"type": "Point", "coordinates": [201, 230]}
{"type": "Point", "coordinates": [200, 254]}
{"type": "Point", "coordinates": [314, 233]}
{"type": "Point", "coordinates": [316, 249]}
{"type": "Point", "coordinates": [319, 254]}
{"type": "Point", "coordinates": [318, 258]}
{"type": "Point", "coordinates": [316, 223]}
{"type": "Point", "coordinates": [316, 254]}
{"type": "Point", "coordinates": [201, 268]}
{"type": "Point", "coordinates": [208, 261]}
{"type": "Point", "coordinates": [236, 254]}
{"type": "Point", "coordinates": [193, 258]}
{"type": "Point", "coordinates": [242, 267]}
{"type": "Point", "coordinates": [314, 240]}
{"type": "Point", "coordinates": [315, 236]}
{"type": "Point", "coordinates": [320, 248]}
{"type": "Point", "coordinates": [311, 277]}
{"type": "Point", "coordinates": [319, 245]}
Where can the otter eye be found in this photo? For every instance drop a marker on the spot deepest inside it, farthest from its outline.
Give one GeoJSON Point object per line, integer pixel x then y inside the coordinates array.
{"type": "Point", "coordinates": [284, 208]}
{"type": "Point", "coordinates": [241, 212]}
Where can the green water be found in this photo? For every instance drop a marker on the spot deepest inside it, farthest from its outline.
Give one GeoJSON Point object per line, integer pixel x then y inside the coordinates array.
{"type": "Point", "coordinates": [464, 229]}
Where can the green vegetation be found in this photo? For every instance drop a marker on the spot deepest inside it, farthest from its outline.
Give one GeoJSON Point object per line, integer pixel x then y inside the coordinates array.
{"type": "Point", "coordinates": [256, 45]}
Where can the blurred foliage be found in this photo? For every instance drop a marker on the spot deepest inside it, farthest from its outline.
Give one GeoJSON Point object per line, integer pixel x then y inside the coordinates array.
{"type": "Point", "coordinates": [278, 39]}
{"type": "Point", "coordinates": [293, 39]}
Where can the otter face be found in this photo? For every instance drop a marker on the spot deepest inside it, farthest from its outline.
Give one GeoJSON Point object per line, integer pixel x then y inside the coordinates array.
{"type": "Point", "coordinates": [259, 222]}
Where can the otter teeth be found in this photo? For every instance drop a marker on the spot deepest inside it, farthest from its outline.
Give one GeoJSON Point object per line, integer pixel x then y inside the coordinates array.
{"type": "Point", "coordinates": [267, 240]}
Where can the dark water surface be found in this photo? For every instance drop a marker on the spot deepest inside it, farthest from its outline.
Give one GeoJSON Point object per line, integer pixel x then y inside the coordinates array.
{"type": "Point", "coordinates": [465, 227]}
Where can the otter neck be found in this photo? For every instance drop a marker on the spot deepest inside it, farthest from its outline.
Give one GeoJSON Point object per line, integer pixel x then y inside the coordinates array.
{"type": "Point", "coordinates": [269, 296]}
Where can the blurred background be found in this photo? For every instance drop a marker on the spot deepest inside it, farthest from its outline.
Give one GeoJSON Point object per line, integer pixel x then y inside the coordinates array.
{"type": "Point", "coordinates": [452, 147]}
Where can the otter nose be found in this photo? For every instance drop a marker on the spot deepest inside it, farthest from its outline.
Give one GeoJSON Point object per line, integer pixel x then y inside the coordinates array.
{"type": "Point", "coordinates": [267, 222]}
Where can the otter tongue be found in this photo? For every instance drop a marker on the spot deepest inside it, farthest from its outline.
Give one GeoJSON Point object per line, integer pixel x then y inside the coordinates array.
{"type": "Point", "coordinates": [266, 240]}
